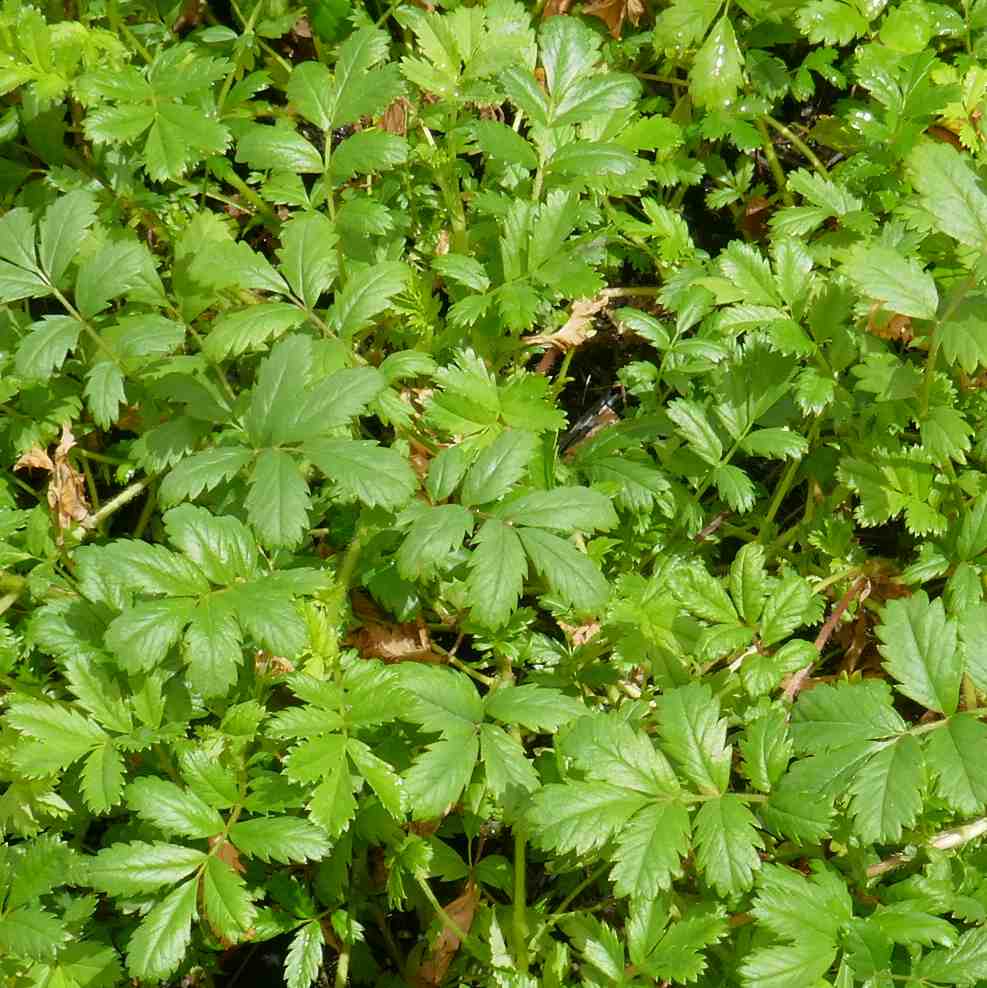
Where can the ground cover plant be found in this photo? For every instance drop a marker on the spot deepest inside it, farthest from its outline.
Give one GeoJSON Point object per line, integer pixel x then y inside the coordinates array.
{"type": "Point", "coordinates": [493, 494]}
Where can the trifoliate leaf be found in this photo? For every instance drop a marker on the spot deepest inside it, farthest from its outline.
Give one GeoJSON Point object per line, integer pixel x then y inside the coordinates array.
{"type": "Point", "coordinates": [498, 567]}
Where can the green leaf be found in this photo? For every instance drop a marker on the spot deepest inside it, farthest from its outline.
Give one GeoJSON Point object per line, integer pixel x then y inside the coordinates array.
{"type": "Point", "coordinates": [304, 956]}
{"type": "Point", "coordinates": [499, 141]}
{"type": "Point", "coordinates": [950, 192]}
{"type": "Point", "coordinates": [116, 268]}
{"type": "Point", "coordinates": [33, 933]}
{"type": "Point", "coordinates": [278, 148]}
{"type": "Point", "coordinates": [442, 700]}
{"type": "Point", "coordinates": [498, 568]}
{"type": "Point", "coordinates": [65, 224]}
{"type": "Point", "coordinates": [202, 472]}
{"type": "Point", "coordinates": [384, 781]}
{"type": "Point", "coordinates": [726, 844]}
{"type": "Point", "coordinates": [790, 813]}
{"type": "Point", "coordinates": [694, 735]}
{"type": "Point", "coordinates": [717, 68]}
{"type": "Point", "coordinates": [792, 604]}
{"type": "Point", "coordinates": [16, 283]}
{"type": "Point", "coordinates": [589, 159]}
{"type": "Point", "coordinates": [221, 546]}
{"type": "Point", "coordinates": [780, 444]}
{"type": "Point", "coordinates": [277, 502]}
{"type": "Point", "coordinates": [794, 906]}
{"type": "Point", "coordinates": [434, 535]}
{"type": "Point", "coordinates": [138, 867]}
{"type": "Point", "coordinates": [704, 596]}
{"type": "Point", "coordinates": [833, 715]}
{"type": "Point", "coordinates": [104, 392]}
{"type": "Point", "coordinates": [287, 839]}
{"type": "Point", "coordinates": [17, 236]}
{"type": "Point", "coordinates": [311, 92]}
{"type": "Point", "coordinates": [363, 471]}
{"type": "Point", "coordinates": [44, 349]}
{"type": "Point", "coordinates": [650, 849]}
{"type": "Point", "coordinates": [767, 748]}
{"type": "Point", "coordinates": [142, 636]}
{"type": "Point", "coordinates": [250, 329]}
{"type": "Point", "coordinates": [102, 778]}
{"type": "Point", "coordinates": [138, 337]}
{"type": "Point", "coordinates": [368, 292]}
{"type": "Point", "coordinates": [498, 468]}
{"type": "Point", "coordinates": [366, 152]}
{"type": "Point", "coordinates": [362, 90]}
{"type": "Point", "coordinates": [213, 647]}
{"type": "Point", "coordinates": [581, 816]}
{"type": "Point", "coordinates": [438, 776]}
{"type": "Point", "coordinates": [920, 650]}
{"type": "Point", "coordinates": [564, 508]}
{"type": "Point", "coordinates": [899, 282]}
{"type": "Point", "coordinates": [695, 428]}
{"type": "Point", "coordinates": [962, 964]}
{"type": "Point", "coordinates": [226, 900]}
{"type": "Point", "coordinates": [159, 943]}
{"type": "Point", "coordinates": [172, 809]}
{"type": "Point", "coordinates": [960, 772]}
{"type": "Point", "coordinates": [309, 259]}
{"type": "Point", "coordinates": [504, 762]}
{"type": "Point", "coordinates": [748, 581]}
{"type": "Point", "coordinates": [537, 708]}
{"type": "Point", "coordinates": [792, 966]}
{"type": "Point", "coordinates": [566, 570]}
{"type": "Point", "coordinates": [887, 790]}
{"type": "Point", "coordinates": [273, 409]}
{"type": "Point", "coordinates": [65, 733]}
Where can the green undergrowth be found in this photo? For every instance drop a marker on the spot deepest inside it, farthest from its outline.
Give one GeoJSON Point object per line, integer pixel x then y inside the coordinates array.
{"type": "Point", "coordinates": [493, 499]}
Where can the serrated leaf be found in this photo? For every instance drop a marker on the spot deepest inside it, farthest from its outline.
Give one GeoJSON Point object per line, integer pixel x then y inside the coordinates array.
{"type": "Point", "coordinates": [649, 850]}
{"type": "Point", "coordinates": [790, 814]}
{"type": "Point", "coordinates": [202, 472]}
{"type": "Point", "coordinates": [32, 933]}
{"type": "Point", "coordinates": [309, 259]}
{"type": "Point", "coordinates": [694, 735]}
{"type": "Point", "coordinates": [498, 468]}
{"type": "Point", "coordinates": [748, 581]}
{"type": "Point", "coordinates": [286, 839]}
{"type": "Point", "coordinates": [277, 502]}
{"type": "Point", "coordinates": [45, 347]}
{"type": "Point", "coordinates": [172, 809]}
{"type": "Point", "coordinates": [221, 546]}
{"type": "Point", "coordinates": [565, 569]}
{"type": "Point", "coordinates": [581, 816]}
{"type": "Point", "coordinates": [950, 192]}
{"type": "Point", "coordinates": [837, 714]}
{"type": "Point", "coordinates": [504, 763]}
{"type": "Point", "coordinates": [366, 152]}
{"type": "Point", "coordinates": [498, 567]}
{"type": "Point", "coordinates": [65, 223]}
{"type": "Point", "coordinates": [226, 900]}
{"type": "Point", "coordinates": [304, 956]}
{"type": "Point", "coordinates": [537, 708]}
{"type": "Point", "coordinates": [899, 282]}
{"type": "Point", "coordinates": [788, 607]}
{"type": "Point", "coordinates": [564, 508]}
{"type": "Point", "coordinates": [368, 292]}
{"type": "Point", "coordinates": [384, 781]}
{"type": "Point", "coordinates": [142, 636]}
{"type": "Point", "coordinates": [726, 844]}
{"type": "Point", "coordinates": [692, 423]}
{"type": "Point", "coordinates": [65, 733]}
{"type": "Point", "coordinates": [278, 148]}
{"type": "Point", "coordinates": [364, 471]}
{"type": "Point", "coordinates": [438, 776]}
{"type": "Point", "coordinates": [250, 329]}
{"type": "Point", "coordinates": [114, 269]}
{"type": "Point", "coordinates": [159, 943]}
{"type": "Point", "coordinates": [960, 772]}
{"type": "Point", "coordinates": [213, 647]}
{"type": "Point", "coordinates": [887, 790]}
{"type": "Point", "coordinates": [434, 535]}
{"type": "Point", "coordinates": [919, 645]}
{"type": "Point", "coordinates": [963, 964]}
{"type": "Point", "coordinates": [102, 778]}
{"type": "Point", "coordinates": [791, 966]}
{"type": "Point", "coordinates": [138, 867]}
{"type": "Point", "coordinates": [767, 749]}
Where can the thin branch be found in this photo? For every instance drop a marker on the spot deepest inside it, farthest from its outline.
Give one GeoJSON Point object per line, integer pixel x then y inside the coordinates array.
{"type": "Point", "coordinates": [945, 840]}
{"type": "Point", "coordinates": [122, 499]}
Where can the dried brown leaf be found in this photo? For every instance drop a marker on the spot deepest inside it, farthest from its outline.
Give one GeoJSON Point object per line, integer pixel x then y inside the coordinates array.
{"type": "Point", "coordinates": [555, 7]}
{"type": "Point", "coordinates": [577, 329]}
{"type": "Point", "coordinates": [395, 118]}
{"type": "Point", "coordinates": [613, 13]}
{"type": "Point", "coordinates": [66, 487]}
{"type": "Point", "coordinates": [461, 911]}
{"type": "Point", "coordinates": [387, 640]}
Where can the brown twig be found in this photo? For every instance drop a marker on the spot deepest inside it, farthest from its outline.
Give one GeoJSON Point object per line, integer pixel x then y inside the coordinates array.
{"type": "Point", "coordinates": [945, 840]}
{"type": "Point", "coordinates": [798, 680]}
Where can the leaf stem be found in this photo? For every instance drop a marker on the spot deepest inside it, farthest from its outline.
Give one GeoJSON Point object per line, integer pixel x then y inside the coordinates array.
{"type": "Point", "coordinates": [112, 506]}
{"type": "Point", "coordinates": [959, 293]}
{"type": "Point", "coordinates": [798, 144]}
{"type": "Point", "coordinates": [520, 906]}
{"type": "Point", "coordinates": [777, 172]}
{"type": "Point", "coordinates": [470, 941]}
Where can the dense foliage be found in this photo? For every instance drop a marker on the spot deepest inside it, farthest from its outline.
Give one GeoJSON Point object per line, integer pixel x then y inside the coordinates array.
{"type": "Point", "coordinates": [493, 494]}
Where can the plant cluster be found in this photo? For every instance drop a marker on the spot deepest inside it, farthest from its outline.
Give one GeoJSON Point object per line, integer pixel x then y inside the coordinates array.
{"type": "Point", "coordinates": [493, 494]}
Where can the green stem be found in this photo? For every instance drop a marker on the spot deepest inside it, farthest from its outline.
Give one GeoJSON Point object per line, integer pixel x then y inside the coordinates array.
{"type": "Point", "coordinates": [520, 910]}
{"type": "Point", "coordinates": [785, 484]}
{"type": "Point", "coordinates": [799, 145]}
{"type": "Point", "coordinates": [111, 507]}
{"type": "Point", "coordinates": [467, 939]}
{"type": "Point", "coordinates": [343, 966]}
{"type": "Point", "coordinates": [777, 172]}
{"type": "Point", "coordinates": [248, 28]}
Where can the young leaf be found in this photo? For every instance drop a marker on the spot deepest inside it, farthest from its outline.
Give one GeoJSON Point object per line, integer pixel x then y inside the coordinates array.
{"type": "Point", "coordinates": [226, 900]}
{"type": "Point", "coordinates": [171, 809]}
{"type": "Point", "coordinates": [138, 867]}
{"type": "Point", "coordinates": [304, 956]}
{"type": "Point", "coordinates": [287, 839]}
